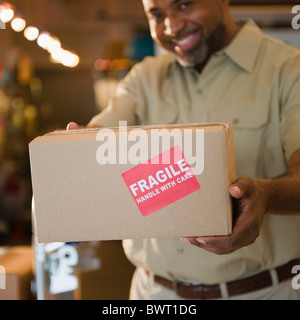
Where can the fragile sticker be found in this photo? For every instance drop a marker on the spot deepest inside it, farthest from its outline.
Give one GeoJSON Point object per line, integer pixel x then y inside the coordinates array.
{"type": "Point", "coordinates": [161, 181]}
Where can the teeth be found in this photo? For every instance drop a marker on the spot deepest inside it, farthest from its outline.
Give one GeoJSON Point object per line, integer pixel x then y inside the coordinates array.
{"type": "Point", "coordinates": [183, 41]}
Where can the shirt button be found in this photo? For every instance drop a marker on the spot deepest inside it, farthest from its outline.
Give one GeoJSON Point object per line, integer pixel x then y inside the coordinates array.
{"type": "Point", "coordinates": [180, 250]}
{"type": "Point", "coordinates": [235, 121]}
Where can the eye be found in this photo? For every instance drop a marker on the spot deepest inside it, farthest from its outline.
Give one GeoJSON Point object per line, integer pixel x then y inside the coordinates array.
{"type": "Point", "coordinates": [184, 5]}
{"type": "Point", "coordinates": [155, 15]}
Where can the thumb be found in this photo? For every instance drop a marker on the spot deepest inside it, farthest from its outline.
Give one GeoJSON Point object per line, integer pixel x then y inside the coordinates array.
{"type": "Point", "coordinates": [241, 187]}
{"type": "Point", "coordinates": [235, 191]}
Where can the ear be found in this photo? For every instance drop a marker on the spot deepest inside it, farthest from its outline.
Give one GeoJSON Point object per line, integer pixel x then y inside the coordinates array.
{"type": "Point", "coordinates": [224, 3]}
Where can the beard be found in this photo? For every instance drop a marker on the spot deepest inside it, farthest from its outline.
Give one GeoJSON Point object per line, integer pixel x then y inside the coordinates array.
{"type": "Point", "coordinates": [198, 56]}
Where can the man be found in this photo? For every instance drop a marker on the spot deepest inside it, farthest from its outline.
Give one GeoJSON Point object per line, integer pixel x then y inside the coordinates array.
{"type": "Point", "coordinates": [221, 71]}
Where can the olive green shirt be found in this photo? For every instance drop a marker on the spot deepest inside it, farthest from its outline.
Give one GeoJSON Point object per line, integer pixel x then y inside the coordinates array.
{"type": "Point", "coordinates": [253, 83]}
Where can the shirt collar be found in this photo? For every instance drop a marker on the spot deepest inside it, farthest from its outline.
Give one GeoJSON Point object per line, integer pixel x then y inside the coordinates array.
{"type": "Point", "coordinates": [242, 50]}
{"type": "Point", "coordinates": [172, 65]}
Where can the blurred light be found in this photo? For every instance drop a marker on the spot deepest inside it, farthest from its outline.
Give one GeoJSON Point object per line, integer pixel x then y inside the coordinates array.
{"type": "Point", "coordinates": [103, 64]}
{"type": "Point", "coordinates": [18, 24]}
{"type": "Point", "coordinates": [57, 54]}
{"type": "Point", "coordinates": [65, 57]}
{"type": "Point", "coordinates": [54, 44]}
{"type": "Point", "coordinates": [53, 60]}
{"type": "Point", "coordinates": [70, 59]}
{"type": "Point", "coordinates": [7, 12]}
{"type": "Point", "coordinates": [44, 40]}
{"type": "Point", "coordinates": [31, 33]}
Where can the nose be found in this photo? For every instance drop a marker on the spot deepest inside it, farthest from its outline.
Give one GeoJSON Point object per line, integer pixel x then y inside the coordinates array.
{"type": "Point", "coordinates": [173, 25]}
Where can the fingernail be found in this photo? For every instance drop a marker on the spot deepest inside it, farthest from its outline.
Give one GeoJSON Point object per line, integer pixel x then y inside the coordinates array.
{"type": "Point", "coordinates": [185, 240]}
{"type": "Point", "coordinates": [200, 240]}
{"type": "Point", "coordinates": [236, 189]}
{"type": "Point", "coordinates": [69, 126]}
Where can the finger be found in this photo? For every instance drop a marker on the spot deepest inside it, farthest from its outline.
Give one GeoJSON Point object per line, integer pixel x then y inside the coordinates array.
{"type": "Point", "coordinates": [72, 126]}
{"type": "Point", "coordinates": [235, 192]}
{"type": "Point", "coordinates": [241, 187]}
{"type": "Point", "coordinates": [191, 240]}
{"type": "Point", "coordinates": [217, 241]}
{"type": "Point", "coordinates": [221, 242]}
{"type": "Point", "coordinates": [211, 246]}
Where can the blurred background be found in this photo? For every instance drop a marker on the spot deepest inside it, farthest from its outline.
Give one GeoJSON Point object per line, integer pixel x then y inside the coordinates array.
{"type": "Point", "coordinates": [60, 61]}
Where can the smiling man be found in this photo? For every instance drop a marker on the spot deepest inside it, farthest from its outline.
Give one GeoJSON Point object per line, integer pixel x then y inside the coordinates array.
{"type": "Point", "coordinates": [192, 30]}
{"type": "Point", "coordinates": [219, 70]}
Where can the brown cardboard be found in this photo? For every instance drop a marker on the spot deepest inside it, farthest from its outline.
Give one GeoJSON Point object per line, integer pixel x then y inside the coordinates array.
{"type": "Point", "coordinates": [17, 264]}
{"type": "Point", "coordinates": [78, 199]}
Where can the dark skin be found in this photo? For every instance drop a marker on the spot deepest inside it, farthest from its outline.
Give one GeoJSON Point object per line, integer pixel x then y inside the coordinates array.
{"type": "Point", "coordinates": [191, 30]}
{"type": "Point", "coordinates": [254, 199]}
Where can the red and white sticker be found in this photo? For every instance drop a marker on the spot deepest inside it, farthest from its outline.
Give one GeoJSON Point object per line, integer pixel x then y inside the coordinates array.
{"type": "Point", "coordinates": [158, 183]}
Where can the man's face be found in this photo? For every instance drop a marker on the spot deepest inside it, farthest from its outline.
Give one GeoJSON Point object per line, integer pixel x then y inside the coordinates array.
{"type": "Point", "coordinates": [191, 29]}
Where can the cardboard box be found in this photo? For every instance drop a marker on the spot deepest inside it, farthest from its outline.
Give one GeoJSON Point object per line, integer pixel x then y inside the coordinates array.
{"type": "Point", "coordinates": [16, 273]}
{"type": "Point", "coordinates": [133, 182]}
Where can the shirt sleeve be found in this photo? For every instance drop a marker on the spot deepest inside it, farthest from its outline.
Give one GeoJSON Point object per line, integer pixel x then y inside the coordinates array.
{"type": "Point", "coordinates": [120, 108]}
{"type": "Point", "coordinates": [290, 111]}
{"type": "Point", "coordinates": [123, 106]}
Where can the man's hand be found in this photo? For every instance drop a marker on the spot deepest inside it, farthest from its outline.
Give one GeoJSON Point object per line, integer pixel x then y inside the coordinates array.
{"type": "Point", "coordinates": [249, 209]}
{"type": "Point", "coordinates": [252, 199]}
